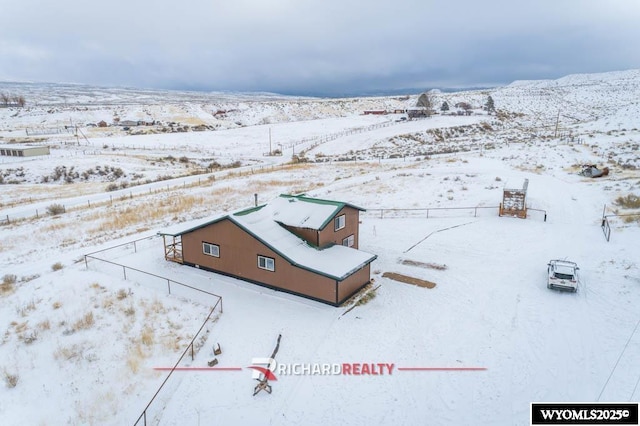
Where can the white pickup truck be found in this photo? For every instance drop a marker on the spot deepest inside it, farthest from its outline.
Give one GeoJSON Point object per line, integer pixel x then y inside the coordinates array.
{"type": "Point", "coordinates": [563, 275]}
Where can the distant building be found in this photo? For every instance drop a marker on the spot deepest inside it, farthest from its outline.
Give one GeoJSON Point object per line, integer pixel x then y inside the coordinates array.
{"type": "Point", "coordinates": [23, 150]}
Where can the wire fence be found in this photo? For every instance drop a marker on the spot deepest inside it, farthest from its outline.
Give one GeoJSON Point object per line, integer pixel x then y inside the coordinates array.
{"type": "Point", "coordinates": [153, 410]}
{"type": "Point", "coordinates": [435, 212]}
{"type": "Point", "coordinates": [605, 224]}
{"type": "Point", "coordinates": [438, 212]}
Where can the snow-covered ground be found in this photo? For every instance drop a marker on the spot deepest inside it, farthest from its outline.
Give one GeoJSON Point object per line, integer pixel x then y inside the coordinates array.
{"type": "Point", "coordinates": [80, 343]}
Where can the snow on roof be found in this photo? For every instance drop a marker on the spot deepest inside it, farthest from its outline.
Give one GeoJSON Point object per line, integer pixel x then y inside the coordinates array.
{"type": "Point", "coordinates": [303, 213]}
{"type": "Point", "coordinates": [262, 222]}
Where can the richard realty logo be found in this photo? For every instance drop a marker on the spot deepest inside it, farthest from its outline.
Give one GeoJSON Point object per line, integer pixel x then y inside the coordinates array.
{"type": "Point", "coordinates": [263, 368]}
{"type": "Point", "coordinates": [268, 368]}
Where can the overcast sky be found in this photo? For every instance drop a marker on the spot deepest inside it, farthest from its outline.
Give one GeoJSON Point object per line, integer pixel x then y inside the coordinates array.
{"type": "Point", "coordinates": [320, 47]}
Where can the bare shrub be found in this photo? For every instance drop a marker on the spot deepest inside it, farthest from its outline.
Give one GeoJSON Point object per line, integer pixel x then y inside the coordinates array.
{"type": "Point", "coordinates": [122, 294]}
{"type": "Point", "coordinates": [11, 379]}
{"type": "Point", "coordinates": [630, 201]}
{"type": "Point", "coordinates": [67, 352]}
{"type": "Point", "coordinates": [135, 357]}
{"type": "Point", "coordinates": [29, 338]}
{"type": "Point", "coordinates": [56, 266]}
{"type": "Point", "coordinates": [147, 337]}
{"type": "Point", "coordinates": [24, 310]}
{"type": "Point", "coordinates": [56, 305]}
{"type": "Point", "coordinates": [84, 323]}
{"type": "Point", "coordinates": [8, 284]}
{"type": "Point", "coordinates": [55, 209]}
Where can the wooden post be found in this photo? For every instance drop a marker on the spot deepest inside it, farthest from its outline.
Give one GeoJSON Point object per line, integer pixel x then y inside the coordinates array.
{"type": "Point", "coordinates": [263, 384]}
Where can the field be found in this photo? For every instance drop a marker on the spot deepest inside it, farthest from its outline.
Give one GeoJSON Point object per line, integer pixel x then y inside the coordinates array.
{"type": "Point", "coordinates": [455, 286]}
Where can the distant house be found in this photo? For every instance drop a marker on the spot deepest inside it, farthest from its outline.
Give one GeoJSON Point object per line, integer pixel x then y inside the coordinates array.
{"type": "Point", "coordinates": [128, 123]}
{"type": "Point", "coordinates": [296, 244]}
{"type": "Point", "coordinates": [23, 150]}
{"type": "Point", "coordinates": [102, 123]}
{"type": "Point", "coordinates": [417, 112]}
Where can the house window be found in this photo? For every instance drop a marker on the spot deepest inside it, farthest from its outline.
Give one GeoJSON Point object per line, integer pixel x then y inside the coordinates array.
{"type": "Point", "coordinates": [267, 263]}
{"type": "Point", "coordinates": [349, 241]}
{"type": "Point", "coordinates": [211, 249]}
{"type": "Point", "coordinates": [339, 222]}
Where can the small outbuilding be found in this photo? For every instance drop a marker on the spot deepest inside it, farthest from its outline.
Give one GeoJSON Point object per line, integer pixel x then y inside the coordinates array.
{"type": "Point", "coordinates": [296, 244]}
{"type": "Point", "coordinates": [24, 150]}
{"type": "Point", "coordinates": [514, 201]}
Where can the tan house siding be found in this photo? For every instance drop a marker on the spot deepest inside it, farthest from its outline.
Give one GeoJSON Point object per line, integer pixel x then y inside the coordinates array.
{"type": "Point", "coordinates": [307, 234]}
{"type": "Point", "coordinates": [330, 236]}
{"type": "Point", "coordinates": [352, 283]}
{"type": "Point", "coordinates": [239, 257]}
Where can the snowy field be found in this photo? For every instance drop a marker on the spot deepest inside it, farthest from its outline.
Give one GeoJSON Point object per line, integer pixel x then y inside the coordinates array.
{"type": "Point", "coordinates": [83, 344]}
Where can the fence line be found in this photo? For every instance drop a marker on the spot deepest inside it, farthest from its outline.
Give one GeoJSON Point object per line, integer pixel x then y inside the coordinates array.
{"type": "Point", "coordinates": [606, 225]}
{"type": "Point", "coordinates": [143, 415]}
{"type": "Point", "coordinates": [191, 346]}
{"type": "Point", "coordinates": [426, 211]}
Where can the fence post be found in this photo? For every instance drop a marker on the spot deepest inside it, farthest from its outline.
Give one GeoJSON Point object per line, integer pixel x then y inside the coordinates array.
{"type": "Point", "coordinates": [192, 351]}
{"type": "Point", "coordinates": [169, 286]}
{"type": "Point", "coordinates": [124, 272]}
{"type": "Point", "coordinates": [135, 249]}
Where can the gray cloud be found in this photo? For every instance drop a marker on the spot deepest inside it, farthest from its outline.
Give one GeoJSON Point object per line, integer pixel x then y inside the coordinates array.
{"type": "Point", "coordinates": [313, 46]}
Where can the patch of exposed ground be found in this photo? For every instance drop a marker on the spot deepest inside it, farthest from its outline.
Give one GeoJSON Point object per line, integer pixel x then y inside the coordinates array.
{"type": "Point", "coordinates": [409, 280]}
{"type": "Point", "coordinates": [430, 265]}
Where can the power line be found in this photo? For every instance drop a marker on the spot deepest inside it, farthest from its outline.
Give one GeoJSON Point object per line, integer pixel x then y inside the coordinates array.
{"type": "Point", "coordinates": [618, 360]}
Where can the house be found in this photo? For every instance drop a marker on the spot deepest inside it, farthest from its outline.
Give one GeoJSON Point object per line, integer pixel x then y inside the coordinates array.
{"type": "Point", "coordinates": [296, 244]}
{"type": "Point", "coordinates": [128, 123]}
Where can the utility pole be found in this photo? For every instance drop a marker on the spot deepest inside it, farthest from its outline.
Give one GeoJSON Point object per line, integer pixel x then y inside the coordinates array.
{"type": "Point", "coordinates": [557, 125]}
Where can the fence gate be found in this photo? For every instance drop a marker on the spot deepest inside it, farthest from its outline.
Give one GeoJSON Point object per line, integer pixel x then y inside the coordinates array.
{"type": "Point", "coordinates": [606, 228]}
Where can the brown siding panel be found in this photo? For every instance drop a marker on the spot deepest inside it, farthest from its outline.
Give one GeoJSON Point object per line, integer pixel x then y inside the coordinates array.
{"type": "Point", "coordinates": [239, 257]}
{"type": "Point", "coordinates": [329, 235]}
{"type": "Point", "coordinates": [353, 283]}
{"type": "Point", "coordinates": [307, 234]}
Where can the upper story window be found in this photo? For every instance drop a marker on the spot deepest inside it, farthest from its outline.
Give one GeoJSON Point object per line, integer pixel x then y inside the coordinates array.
{"type": "Point", "coordinates": [211, 249]}
{"type": "Point", "coordinates": [267, 263]}
{"type": "Point", "coordinates": [339, 222]}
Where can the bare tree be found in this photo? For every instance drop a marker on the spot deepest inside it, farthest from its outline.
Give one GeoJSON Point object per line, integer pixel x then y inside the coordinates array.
{"type": "Point", "coordinates": [21, 101]}
{"type": "Point", "coordinates": [426, 101]}
{"type": "Point", "coordinates": [5, 99]}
